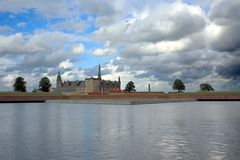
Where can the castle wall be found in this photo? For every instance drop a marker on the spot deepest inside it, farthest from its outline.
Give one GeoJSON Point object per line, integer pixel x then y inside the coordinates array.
{"type": "Point", "coordinates": [59, 84]}
{"type": "Point", "coordinates": [92, 85]}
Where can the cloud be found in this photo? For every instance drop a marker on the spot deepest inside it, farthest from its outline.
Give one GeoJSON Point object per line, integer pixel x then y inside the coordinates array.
{"type": "Point", "coordinates": [103, 51]}
{"type": "Point", "coordinates": [168, 22]}
{"type": "Point", "coordinates": [21, 24]}
{"type": "Point", "coordinates": [153, 40]}
{"type": "Point", "coordinates": [40, 41]}
{"type": "Point", "coordinates": [159, 43]}
{"type": "Point", "coordinates": [161, 47]}
{"type": "Point", "coordinates": [79, 48]}
{"type": "Point", "coordinates": [48, 9]}
{"type": "Point", "coordinates": [231, 71]}
{"type": "Point", "coordinates": [93, 71]}
{"type": "Point", "coordinates": [230, 68]}
{"type": "Point", "coordinates": [5, 29]}
{"type": "Point", "coordinates": [127, 75]}
{"type": "Point", "coordinates": [66, 64]}
{"type": "Point", "coordinates": [98, 7]}
{"type": "Point", "coordinates": [8, 80]}
{"type": "Point", "coordinates": [171, 41]}
{"type": "Point", "coordinates": [226, 15]}
{"type": "Point", "coordinates": [34, 55]}
{"type": "Point", "coordinates": [70, 25]}
{"type": "Point", "coordinates": [11, 44]}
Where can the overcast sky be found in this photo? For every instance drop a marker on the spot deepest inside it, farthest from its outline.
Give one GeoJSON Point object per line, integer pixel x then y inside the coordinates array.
{"type": "Point", "coordinates": [153, 41]}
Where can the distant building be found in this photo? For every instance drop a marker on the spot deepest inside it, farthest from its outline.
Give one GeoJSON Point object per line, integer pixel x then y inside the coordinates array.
{"type": "Point", "coordinates": [88, 85]}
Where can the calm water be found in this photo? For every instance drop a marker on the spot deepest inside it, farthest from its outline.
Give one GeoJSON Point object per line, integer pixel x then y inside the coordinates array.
{"type": "Point", "coordinates": [188, 131]}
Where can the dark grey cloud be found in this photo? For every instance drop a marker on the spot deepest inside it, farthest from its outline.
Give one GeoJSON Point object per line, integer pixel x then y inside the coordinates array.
{"type": "Point", "coordinates": [232, 85]}
{"type": "Point", "coordinates": [229, 40]}
{"type": "Point", "coordinates": [159, 24]}
{"type": "Point", "coordinates": [181, 24]}
{"type": "Point", "coordinates": [230, 71]}
{"type": "Point", "coordinates": [98, 7]}
{"type": "Point", "coordinates": [226, 14]}
{"type": "Point", "coordinates": [44, 60]}
{"type": "Point", "coordinates": [188, 66]}
{"type": "Point", "coordinates": [192, 74]}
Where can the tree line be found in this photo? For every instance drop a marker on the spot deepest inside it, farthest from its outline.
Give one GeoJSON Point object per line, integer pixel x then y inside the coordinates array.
{"type": "Point", "coordinates": [20, 85]}
{"type": "Point", "coordinates": [177, 85]}
{"type": "Point", "coordinates": [45, 85]}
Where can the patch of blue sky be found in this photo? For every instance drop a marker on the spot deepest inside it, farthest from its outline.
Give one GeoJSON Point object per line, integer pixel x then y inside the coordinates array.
{"type": "Point", "coordinates": [205, 5]}
{"type": "Point", "coordinates": [90, 29]}
{"type": "Point", "coordinates": [25, 22]}
{"type": "Point", "coordinates": [88, 60]}
{"type": "Point", "coordinates": [55, 20]}
{"type": "Point", "coordinates": [92, 45]}
{"type": "Point", "coordinates": [91, 26]}
{"type": "Point", "coordinates": [88, 45]}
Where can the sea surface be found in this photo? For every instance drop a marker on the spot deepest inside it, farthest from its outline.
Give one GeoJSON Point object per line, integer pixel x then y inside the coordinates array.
{"type": "Point", "coordinates": [170, 131]}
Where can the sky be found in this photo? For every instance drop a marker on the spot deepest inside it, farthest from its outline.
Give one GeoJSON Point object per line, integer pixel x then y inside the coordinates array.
{"type": "Point", "coordinates": [154, 41]}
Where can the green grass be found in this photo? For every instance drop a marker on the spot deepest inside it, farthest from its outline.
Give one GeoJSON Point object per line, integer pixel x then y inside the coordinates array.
{"type": "Point", "coordinates": [124, 94]}
{"type": "Point", "coordinates": [200, 94]}
{"type": "Point", "coordinates": [208, 93]}
{"type": "Point", "coordinates": [29, 94]}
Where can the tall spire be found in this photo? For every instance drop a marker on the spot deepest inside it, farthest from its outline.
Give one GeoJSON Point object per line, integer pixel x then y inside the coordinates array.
{"type": "Point", "coordinates": [99, 72]}
{"type": "Point", "coordinates": [59, 80]}
{"type": "Point", "coordinates": [119, 83]}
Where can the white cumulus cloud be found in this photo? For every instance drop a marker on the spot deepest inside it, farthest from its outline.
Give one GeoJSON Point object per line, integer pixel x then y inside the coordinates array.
{"type": "Point", "coordinates": [103, 51]}
{"type": "Point", "coordinates": [66, 64]}
{"type": "Point", "coordinates": [79, 48]}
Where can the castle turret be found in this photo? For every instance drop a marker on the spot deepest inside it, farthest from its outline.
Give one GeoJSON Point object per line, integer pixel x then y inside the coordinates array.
{"type": "Point", "coordinates": [59, 80]}
{"type": "Point", "coordinates": [99, 72]}
{"type": "Point", "coordinates": [119, 83]}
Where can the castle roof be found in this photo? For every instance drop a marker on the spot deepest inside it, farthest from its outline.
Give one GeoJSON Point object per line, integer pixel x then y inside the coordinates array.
{"type": "Point", "coordinates": [59, 76]}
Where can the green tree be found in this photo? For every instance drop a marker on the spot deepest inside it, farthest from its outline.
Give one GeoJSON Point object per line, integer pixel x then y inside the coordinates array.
{"type": "Point", "coordinates": [19, 85]}
{"type": "Point", "coordinates": [178, 85]}
{"type": "Point", "coordinates": [130, 87]}
{"type": "Point", "coordinates": [206, 87]}
{"type": "Point", "coordinates": [44, 84]}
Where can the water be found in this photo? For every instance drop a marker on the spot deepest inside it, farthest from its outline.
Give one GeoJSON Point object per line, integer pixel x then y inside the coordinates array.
{"type": "Point", "coordinates": [188, 131]}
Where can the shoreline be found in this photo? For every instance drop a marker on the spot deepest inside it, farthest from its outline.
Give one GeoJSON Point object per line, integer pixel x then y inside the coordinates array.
{"type": "Point", "coordinates": [119, 102]}
{"type": "Point", "coordinates": [125, 98]}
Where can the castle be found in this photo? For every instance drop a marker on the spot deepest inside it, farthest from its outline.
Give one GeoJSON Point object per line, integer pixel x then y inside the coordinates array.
{"type": "Point", "coordinates": [97, 85]}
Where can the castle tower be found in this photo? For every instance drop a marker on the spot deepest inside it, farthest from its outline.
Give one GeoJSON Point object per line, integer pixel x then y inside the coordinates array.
{"type": "Point", "coordinates": [119, 83]}
{"type": "Point", "coordinates": [59, 80]}
{"type": "Point", "coordinates": [99, 72]}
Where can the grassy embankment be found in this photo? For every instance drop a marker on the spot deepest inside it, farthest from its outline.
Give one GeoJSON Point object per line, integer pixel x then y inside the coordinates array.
{"type": "Point", "coordinates": [28, 97]}
{"type": "Point", "coordinates": [183, 94]}
{"type": "Point", "coordinates": [151, 95]}
{"type": "Point", "coordinates": [207, 95]}
{"type": "Point", "coordinates": [159, 95]}
{"type": "Point", "coordinates": [29, 94]}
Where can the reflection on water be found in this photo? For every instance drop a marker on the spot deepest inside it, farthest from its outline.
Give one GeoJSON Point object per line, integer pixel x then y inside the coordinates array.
{"type": "Point", "coordinates": [192, 131]}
